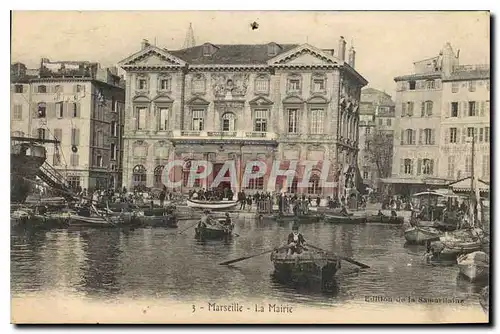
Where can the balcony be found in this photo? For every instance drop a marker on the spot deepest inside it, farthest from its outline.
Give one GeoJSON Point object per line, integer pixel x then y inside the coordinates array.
{"type": "Point", "coordinates": [208, 136]}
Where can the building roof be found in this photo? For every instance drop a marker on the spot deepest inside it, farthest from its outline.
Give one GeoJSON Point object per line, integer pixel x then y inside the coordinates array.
{"type": "Point", "coordinates": [417, 76]}
{"type": "Point", "coordinates": [230, 54]}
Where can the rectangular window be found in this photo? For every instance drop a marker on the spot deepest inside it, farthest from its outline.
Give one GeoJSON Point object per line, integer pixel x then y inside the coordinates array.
{"type": "Point", "coordinates": [318, 85]}
{"type": "Point", "coordinates": [99, 161]}
{"type": "Point", "coordinates": [165, 84]}
{"type": "Point", "coordinates": [380, 121]}
{"type": "Point", "coordinates": [293, 119]}
{"type": "Point", "coordinates": [317, 118]}
{"type": "Point", "coordinates": [42, 110]}
{"type": "Point", "coordinates": [141, 118]}
{"type": "Point", "coordinates": [260, 122]}
{"type": "Point", "coordinates": [409, 110]}
{"type": "Point", "coordinates": [113, 129]}
{"type": "Point", "coordinates": [454, 109]}
{"type": "Point", "coordinates": [486, 167]}
{"type": "Point", "coordinates": [142, 84]}
{"type": "Point", "coordinates": [468, 166]}
{"type": "Point", "coordinates": [470, 132]}
{"type": "Point", "coordinates": [75, 109]}
{"type": "Point", "coordinates": [58, 134]}
{"type": "Point", "coordinates": [18, 88]}
{"type": "Point", "coordinates": [113, 151]}
{"type": "Point", "coordinates": [59, 110]}
{"type": "Point", "coordinates": [472, 108]}
{"type": "Point", "coordinates": [113, 104]}
{"type": "Point", "coordinates": [481, 134]}
{"type": "Point", "coordinates": [408, 166]}
{"type": "Point", "coordinates": [451, 167]}
{"type": "Point", "coordinates": [412, 85]}
{"type": "Point", "coordinates": [367, 130]}
{"type": "Point", "coordinates": [18, 112]}
{"type": "Point", "coordinates": [430, 84]}
{"type": "Point", "coordinates": [453, 135]}
{"type": "Point", "coordinates": [472, 86]}
{"type": "Point", "coordinates": [487, 134]}
{"type": "Point", "coordinates": [293, 84]}
{"type": "Point", "coordinates": [388, 122]}
{"type": "Point", "coordinates": [74, 160]}
{"type": "Point", "coordinates": [75, 137]}
{"type": "Point", "coordinates": [74, 181]}
{"type": "Point", "coordinates": [261, 85]}
{"type": "Point", "coordinates": [198, 118]}
{"type": "Point", "coordinates": [163, 121]}
{"type": "Point", "coordinates": [365, 175]}
{"type": "Point", "coordinates": [41, 133]}
{"type": "Point", "coordinates": [454, 87]}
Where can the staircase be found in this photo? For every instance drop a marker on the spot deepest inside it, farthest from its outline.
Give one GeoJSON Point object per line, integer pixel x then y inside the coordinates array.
{"type": "Point", "coordinates": [53, 178]}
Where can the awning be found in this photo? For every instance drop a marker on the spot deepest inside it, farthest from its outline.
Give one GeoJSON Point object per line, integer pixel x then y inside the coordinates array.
{"type": "Point", "coordinates": [464, 185]}
{"type": "Point", "coordinates": [423, 181]}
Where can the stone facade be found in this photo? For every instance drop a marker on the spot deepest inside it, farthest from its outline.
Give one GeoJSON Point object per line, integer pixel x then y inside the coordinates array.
{"type": "Point", "coordinates": [424, 103]}
{"type": "Point", "coordinates": [83, 109]}
{"type": "Point", "coordinates": [243, 102]}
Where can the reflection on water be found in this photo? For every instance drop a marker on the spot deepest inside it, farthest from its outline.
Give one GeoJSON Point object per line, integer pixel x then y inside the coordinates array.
{"type": "Point", "coordinates": [161, 263]}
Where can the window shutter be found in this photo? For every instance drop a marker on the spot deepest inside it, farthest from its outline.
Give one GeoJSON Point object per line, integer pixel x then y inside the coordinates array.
{"type": "Point", "coordinates": [420, 134]}
{"type": "Point", "coordinates": [422, 109]}
{"type": "Point", "coordinates": [403, 108]}
{"type": "Point", "coordinates": [419, 166]}
{"type": "Point", "coordinates": [77, 109]}
{"type": "Point", "coordinates": [481, 109]}
{"type": "Point", "coordinates": [412, 166]}
{"type": "Point", "coordinates": [410, 108]}
{"type": "Point", "coordinates": [447, 135]}
{"type": "Point", "coordinates": [448, 112]}
{"type": "Point", "coordinates": [51, 110]}
{"type": "Point", "coordinates": [58, 134]}
{"type": "Point", "coordinates": [414, 137]}
{"type": "Point", "coordinates": [460, 109]}
{"type": "Point", "coordinates": [402, 137]}
{"type": "Point", "coordinates": [402, 166]}
{"type": "Point", "coordinates": [431, 106]}
{"type": "Point", "coordinates": [464, 133]}
{"type": "Point", "coordinates": [464, 109]}
{"type": "Point", "coordinates": [433, 136]}
{"type": "Point", "coordinates": [431, 166]}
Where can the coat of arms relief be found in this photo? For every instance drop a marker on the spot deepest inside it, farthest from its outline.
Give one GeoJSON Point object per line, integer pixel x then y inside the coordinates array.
{"type": "Point", "coordinates": [233, 84]}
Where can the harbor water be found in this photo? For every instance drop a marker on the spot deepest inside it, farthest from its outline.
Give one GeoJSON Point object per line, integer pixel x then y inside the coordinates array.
{"type": "Point", "coordinates": [157, 263]}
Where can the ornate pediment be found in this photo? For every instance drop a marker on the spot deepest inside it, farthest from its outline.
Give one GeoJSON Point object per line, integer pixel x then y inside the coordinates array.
{"type": "Point", "coordinates": [151, 56]}
{"type": "Point", "coordinates": [260, 101]}
{"type": "Point", "coordinates": [304, 55]}
{"type": "Point", "coordinates": [162, 98]}
{"type": "Point", "coordinates": [140, 98]}
{"type": "Point", "coordinates": [317, 100]}
{"type": "Point", "coordinates": [198, 101]}
{"type": "Point", "coordinates": [235, 84]}
{"type": "Point", "coordinates": [293, 100]}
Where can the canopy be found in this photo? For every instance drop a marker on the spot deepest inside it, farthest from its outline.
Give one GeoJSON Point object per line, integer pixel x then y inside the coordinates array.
{"type": "Point", "coordinates": [463, 185]}
{"type": "Point", "coordinates": [427, 193]}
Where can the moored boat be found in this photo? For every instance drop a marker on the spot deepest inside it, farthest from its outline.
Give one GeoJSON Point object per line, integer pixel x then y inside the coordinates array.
{"type": "Point", "coordinates": [212, 205]}
{"type": "Point", "coordinates": [383, 219]}
{"type": "Point", "coordinates": [420, 235]}
{"type": "Point", "coordinates": [159, 221]}
{"type": "Point", "coordinates": [96, 221]}
{"type": "Point", "coordinates": [474, 266]}
{"type": "Point", "coordinates": [341, 219]}
{"type": "Point", "coordinates": [308, 218]}
{"type": "Point", "coordinates": [452, 248]}
{"type": "Point", "coordinates": [308, 267]}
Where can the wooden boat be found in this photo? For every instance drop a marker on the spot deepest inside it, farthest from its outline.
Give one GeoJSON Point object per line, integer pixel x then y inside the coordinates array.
{"type": "Point", "coordinates": [452, 248]}
{"type": "Point", "coordinates": [383, 219]}
{"type": "Point", "coordinates": [96, 221]}
{"type": "Point", "coordinates": [308, 267]}
{"type": "Point", "coordinates": [158, 221]}
{"type": "Point", "coordinates": [215, 231]}
{"type": "Point", "coordinates": [474, 266]}
{"type": "Point", "coordinates": [309, 218]}
{"type": "Point", "coordinates": [212, 205]}
{"type": "Point", "coordinates": [420, 235]}
{"type": "Point", "coordinates": [340, 219]}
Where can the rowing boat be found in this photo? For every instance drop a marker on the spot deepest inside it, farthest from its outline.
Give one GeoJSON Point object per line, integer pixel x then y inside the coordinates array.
{"type": "Point", "coordinates": [216, 231]}
{"type": "Point", "coordinates": [309, 218]}
{"type": "Point", "coordinates": [308, 267]}
{"type": "Point", "coordinates": [212, 205]}
{"type": "Point", "coordinates": [474, 266]}
{"type": "Point", "coordinates": [383, 219]}
{"type": "Point", "coordinates": [340, 219]}
{"type": "Point", "coordinates": [420, 235]}
{"type": "Point", "coordinates": [95, 221]}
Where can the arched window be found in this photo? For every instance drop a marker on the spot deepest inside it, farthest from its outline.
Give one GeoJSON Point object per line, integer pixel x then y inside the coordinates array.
{"type": "Point", "coordinates": [139, 176]}
{"type": "Point", "coordinates": [158, 172]}
{"type": "Point", "coordinates": [314, 185]}
{"type": "Point", "coordinates": [228, 122]}
{"type": "Point", "coordinates": [292, 188]}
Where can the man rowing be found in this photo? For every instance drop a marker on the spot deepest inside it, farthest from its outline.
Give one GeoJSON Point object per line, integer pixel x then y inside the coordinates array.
{"type": "Point", "coordinates": [296, 241]}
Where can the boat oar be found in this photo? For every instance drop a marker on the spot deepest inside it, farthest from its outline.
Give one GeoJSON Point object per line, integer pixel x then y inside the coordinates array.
{"type": "Point", "coordinates": [190, 226]}
{"type": "Point", "coordinates": [362, 265]}
{"type": "Point", "coordinates": [247, 257]}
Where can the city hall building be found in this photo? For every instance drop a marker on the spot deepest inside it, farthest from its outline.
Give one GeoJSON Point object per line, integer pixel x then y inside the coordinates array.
{"type": "Point", "coordinates": [262, 102]}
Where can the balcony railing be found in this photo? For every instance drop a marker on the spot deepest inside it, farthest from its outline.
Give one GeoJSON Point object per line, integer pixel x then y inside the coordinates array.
{"type": "Point", "coordinates": [223, 134]}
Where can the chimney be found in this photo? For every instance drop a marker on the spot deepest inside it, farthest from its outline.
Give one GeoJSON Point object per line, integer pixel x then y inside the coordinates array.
{"type": "Point", "coordinates": [352, 57]}
{"type": "Point", "coordinates": [144, 44]}
{"type": "Point", "coordinates": [342, 44]}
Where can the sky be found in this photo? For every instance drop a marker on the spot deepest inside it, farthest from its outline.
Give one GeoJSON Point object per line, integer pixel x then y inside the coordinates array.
{"type": "Point", "coordinates": [386, 43]}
